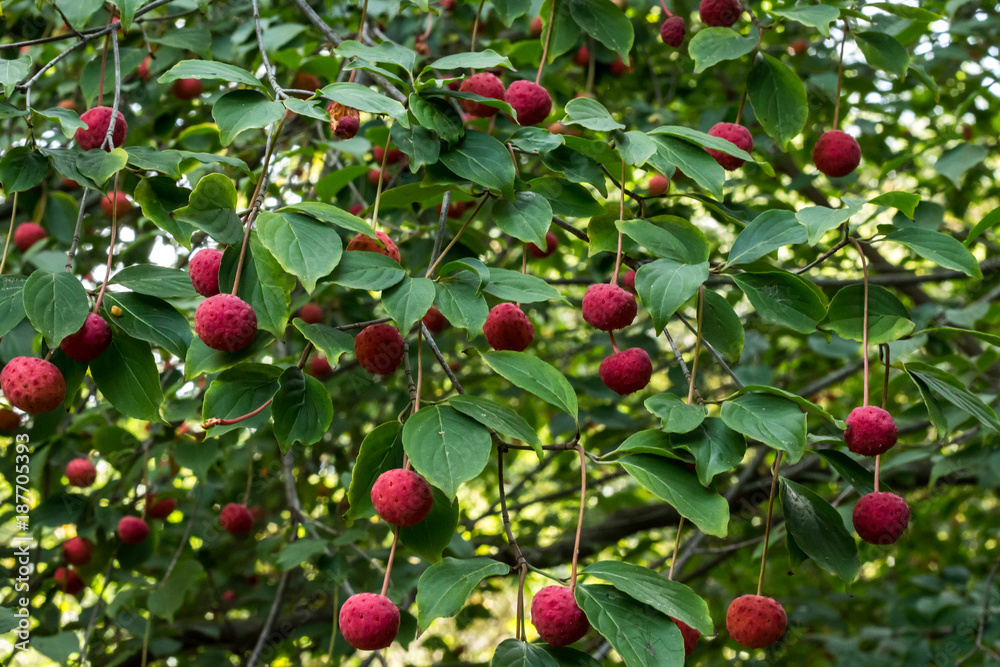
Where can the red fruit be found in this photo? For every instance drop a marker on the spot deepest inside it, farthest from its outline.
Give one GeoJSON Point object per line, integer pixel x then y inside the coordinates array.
{"type": "Point", "coordinates": [881, 517]}
{"type": "Point", "coordinates": [68, 580]}
{"type": "Point", "coordinates": [618, 67]}
{"type": "Point", "coordinates": [446, 5]}
{"type": "Point", "coordinates": [373, 177]}
{"type": "Point", "coordinates": [118, 208]}
{"type": "Point", "coordinates": [236, 519]}
{"type": "Point", "coordinates": [658, 185]}
{"type": "Point", "coordinates": [67, 104]}
{"type": "Point", "coordinates": [719, 13]}
{"type": "Point", "coordinates": [799, 47]}
{"type": "Point", "coordinates": [311, 313]}
{"type": "Point", "coordinates": [369, 622]}
{"type": "Point", "coordinates": [395, 155]}
{"type": "Point", "coordinates": [69, 184]}
{"type": "Point", "coordinates": [81, 472]}
{"type": "Point", "coordinates": [690, 635]}
{"type": "Point", "coordinates": [225, 322]}
{"type": "Point", "coordinates": [160, 509]}
{"type": "Point", "coordinates": [608, 307]}
{"type": "Point", "coordinates": [379, 349]}
{"type": "Point", "coordinates": [319, 367]}
{"type": "Point", "coordinates": [203, 267]}
{"type": "Point", "coordinates": [672, 31]}
{"type": "Point", "coordinates": [582, 57]}
{"type": "Point", "coordinates": [627, 371]}
{"type": "Point", "coordinates": [531, 102]}
{"type": "Point", "coordinates": [97, 120]}
{"type": "Point", "coordinates": [402, 497]}
{"type": "Point", "coordinates": [383, 246]}
{"type": "Point", "coordinates": [435, 321]}
{"type": "Point", "coordinates": [356, 208]}
{"type": "Point", "coordinates": [10, 421]}
{"type": "Point", "coordinates": [836, 154]}
{"type": "Point", "coordinates": [143, 70]}
{"type": "Point", "coordinates": [90, 341]}
{"type": "Point", "coordinates": [33, 385]}
{"type": "Point", "coordinates": [508, 328]}
{"type": "Point", "coordinates": [344, 121]}
{"type": "Point", "coordinates": [483, 84]}
{"type": "Point", "coordinates": [536, 26]}
{"type": "Point", "coordinates": [550, 246]}
{"type": "Point", "coordinates": [28, 234]}
{"type": "Point", "coordinates": [559, 128]}
{"type": "Point", "coordinates": [187, 89]}
{"type": "Point", "coordinates": [132, 530]}
{"type": "Point", "coordinates": [870, 431]}
{"type": "Point", "coordinates": [755, 621]}
{"type": "Point", "coordinates": [306, 81]}
{"type": "Point", "coordinates": [229, 595]}
{"type": "Point", "coordinates": [557, 618]}
{"type": "Point", "coordinates": [77, 551]}
{"type": "Point", "coordinates": [734, 134]}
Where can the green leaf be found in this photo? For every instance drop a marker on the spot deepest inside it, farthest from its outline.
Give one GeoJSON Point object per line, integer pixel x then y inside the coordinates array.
{"type": "Point", "coordinates": [365, 99]}
{"type": "Point", "coordinates": [128, 9]}
{"type": "Point", "coordinates": [384, 52]}
{"type": "Point", "coordinates": [367, 270]}
{"type": "Point", "coordinates": [381, 450]}
{"type": "Point", "coordinates": [888, 319]}
{"type": "Point", "coordinates": [298, 552]}
{"type": "Point", "coordinates": [650, 441]}
{"type": "Point", "coordinates": [711, 46]}
{"type": "Point", "coordinates": [420, 145]}
{"type": "Point", "coordinates": [11, 302]}
{"type": "Point", "coordinates": [194, 38]}
{"type": "Point", "coordinates": [21, 169]}
{"type": "Point", "coordinates": [605, 22]}
{"type": "Point", "coordinates": [56, 304]}
{"type": "Point", "coordinates": [151, 319]}
{"type": "Point", "coordinates": [590, 114]}
{"type": "Point", "coordinates": [99, 165]}
{"type": "Point", "coordinates": [939, 248]}
{"type": "Point", "coordinates": [528, 372]}
{"type": "Point", "coordinates": [310, 109]}
{"type": "Point", "coordinates": [459, 300]}
{"type": "Point", "coordinates": [818, 220]}
{"type": "Point", "coordinates": [498, 417]}
{"type": "Point", "coordinates": [721, 326]}
{"type": "Point", "coordinates": [203, 359]}
{"type": "Point", "coordinates": [243, 110]}
{"type": "Point", "coordinates": [906, 202]}
{"type": "Point", "coordinates": [774, 421]}
{"type": "Point", "coordinates": [668, 237]}
{"type": "Point", "coordinates": [716, 448]}
{"type": "Point", "coordinates": [852, 471]}
{"type": "Point", "coordinates": [906, 12]}
{"type": "Point", "coordinates": [446, 447]}
{"type": "Point", "coordinates": [535, 140]}
{"type": "Point", "coordinates": [818, 529]}
{"type": "Point", "coordinates": [437, 116]}
{"type": "Point", "coordinates": [634, 146]}
{"type": "Point", "coordinates": [670, 481]}
{"type": "Point", "coordinates": [485, 59]}
{"type": "Point", "coordinates": [954, 391]}
{"type": "Point", "coordinates": [814, 16]}
{"type": "Point", "coordinates": [778, 98]}
{"type": "Point", "coordinates": [668, 597]}
{"type": "Point", "coordinates": [331, 342]}
{"type": "Point", "coordinates": [519, 287]}
{"type": "Point", "coordinates": [805, 404]}
{"type": "Point", "coordinates": [304, 247]}
{"type": "Point", "coordinates": [527, 217]}
{"type": "Point", "coordinates": [784, 298]}
{"type": "Point", "coordinates": [955, 161]}
{"type": "Point", "coordinates": [302, 409]}
{"type": "Point", "coordinates": [703, 140]}
{"type": "Point", "coordinates": [13, 71]}
{"type": "Point", "coordinates": [239, 391]}
{"type": "Point", "coordinates": [767, 232]}
{"type": "Point", "coordinates": [642, 635]}
{"type": "Point", "coordinates": [676, 416]}
{"type": "Point", "coordinates": [664, 286]}
{"type": "Point", "coordinates": [883, 52]}
{"type": "Point", "coordinates": [429, 538]}
{"type": "Point", "coordinates": [696, 164]}
{"type": "Point", "coordinates": [576, 166]}
{"type": "Point", "coordinates": [264, 285]}
{"type": "Point", "coordinates": [210, 70]}
{"type": "Point", "coordinates": [158, 197]}
{"type": "Point", "coordinates": [333, 215]}
{"type": "Point", "coordinates": [212, 209]}
{"type": "Point", "coordinates": [161, 281]}
{"type": "Point", "coordinates": [508, 10]}
{"type": "Point", "coordinates": [127, 376]}
{"type": "Point", "coordinates": [515, 653]}
{"type": "Point", "coordinates": [167, 599]}
{"type": "Point", "coordinates": [989, 221]}
{"type": "Point", "coordinates": [409, 301]}
{"type": "Point", "coordinates": [443, 588]}
{"type": "Point", "coordinates": [483, 160]}
{"type": "Point", "coordinates": [69, 121]}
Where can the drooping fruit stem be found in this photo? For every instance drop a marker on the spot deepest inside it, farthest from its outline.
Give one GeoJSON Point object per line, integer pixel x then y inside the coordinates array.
{"type": "Point", "coordinates": [524, 257]}
{"type": "Point", "coordinates": [475, 28]}
{"type": "Point", "coordinates": [381, 179]}
{"type": "Point", "coordinates": [621, 216]}
{"type": "Point", "coordinates": [246, 495]}
{"type": "Point", "coordinates": [743, 103]}
{"type": "Point", "coordinates": [432, 267]}
{"type": "Point", "coordinates": [111, 247]}
{"type": "Point", "coordinates": [545, 48]}
{"type": "Point", "coordinates": [579, 520]}
{"type": "Point", "coordinates": [864, 321]}
{"type": "Point", "coordinates": [767, 525]}
{"type": "Point", "coordinates": [10, 233]}
{"type": "Point", "coordinates": [885, 398]}
{"type": "Point", "coordinates": [361, 34]}
{"type": "Point", "coordinates": [840, 78]}
{"type": "Point", "coordinates": [388, 565]}
{"type": "Point", "coordinates": [614, 343]}
{"type": "Point", "coordinates": [677, 546]}
{"type": "Point", "coordinates": [665, 10]}
{"type": "Point", "coordinates": [697, 344]}
{"type": "Point", "coordinates": [104, 62]}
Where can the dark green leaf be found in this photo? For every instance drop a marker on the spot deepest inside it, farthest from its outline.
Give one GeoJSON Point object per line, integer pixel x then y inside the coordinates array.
{"type": "Point", "coordinates": [819, 531]}
{"type": "Point", "coordinates": [55, 303]}
{"type": "Point", "coordinates": [446, 447]}
{"type": "Point", "coordinates": [670, 481]}
{"type": "Point", "coordinates": [302, 409]}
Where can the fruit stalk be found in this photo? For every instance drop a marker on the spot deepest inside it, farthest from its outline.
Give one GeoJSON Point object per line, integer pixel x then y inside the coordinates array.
{"type": "Point", "coordinates": [697, 345]}
{"type": "Point", "coordinates": [545, 48]}
{"type": "Point", "coordinates": [10, 233]}
{"type": "Point", "coordinates": [579, 521]}
{"type": "Point", "coordinates": [864, 323]}
{"type": "Point", "coordinates": [767, 524]}
{"type": "Point", "coordinates": [840, 76]}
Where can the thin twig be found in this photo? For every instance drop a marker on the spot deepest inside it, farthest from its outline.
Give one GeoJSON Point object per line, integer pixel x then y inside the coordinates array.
{"type": "Point", "coordinates": [278, 92]}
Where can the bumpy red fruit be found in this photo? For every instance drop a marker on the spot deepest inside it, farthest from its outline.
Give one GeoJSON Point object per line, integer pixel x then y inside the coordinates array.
{"type": "Point", "coordinates": [10, 421]}
{"type": "Point", "coordinates": [881, 518]}
{"type": "Point", "coordinates": [68, 580]}
{"type": "Point", "coordinates": [383, 246]}
{"type": "Point", "coordinates": [719, 13]}
{"type": "Point", "coordinates": [225, 322]}
{"type": "Point", "coordinates": [236, 519]}
{"type": "Point", "coordinates": [627, 371]}
{"type": "Point", "coordinates": [356, 208]}
{"type": "Point", "coordinates": [690, 635]}
{"type": "Point", "coordinates": [203, 267]}
{"type": "Point", "coordinates": [311, 313]}
{"type": "Point", "coordinates": [132, 530]}
{"type": "Point", "coordinates": [81, 472]}
{"type": "Point", "coordinates": [755, 621]}
{"type": "Point", "coordinates": [28, 234]}
{"type": "Point", "coordinates": [556, 616]}
{"type": "Point", "coordinates": [116, 208]}
{"type": "Point", "coordinates": [33, 385]}
{"type": "Point", "coordinates": [344, 121]}
{"type": "Point", "coordinates": [536, 26]}
{"type": "Point", "coordinates": [608, 307]}
{"type": "Point", "coordinates": [395, 155]}
{"type": "Point", "coordinates": [550, 246]}
{"type": "Point", "coordinates": [77, 551]}
{"type": "Point", "coordinates": [435, 321]}
{"type": "Point", "coordinates": [160, 509]}
{"type": "Point", "coordinates": [90, 341]}
{"type": "Point", "coordinates": [402, 497]}
{"type": "Point", "coordinates": [870, 431]}
{"type": "Point", "coordinates": [531, 102]}
{"type": "Point", "coordinates": [734, 134]}
{"type": "Point", "coordinates": [379, 348]}
{"type": "Point", "coordinates": [187, 89]}
{"type": "Point", "coordinates": [672, 31]}
{"type": "Point", "coordinates": [319, 367]}
{"type": "Point", "coordinates": [483, 84]}
{"type": "Point", "coordinates": [836, 154]}
{"type": "Point", "coordinates": [369, 622]}
{"type": "Point", "coordinates": [658, 185]}
{"type": "Point", "coordinates": [628, 281]}
{"type": "Point", "coordinates": [97, 120]}
{"type": "Point", "coordinates": [508, 328]}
